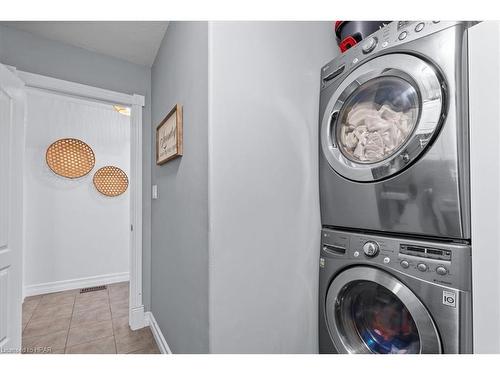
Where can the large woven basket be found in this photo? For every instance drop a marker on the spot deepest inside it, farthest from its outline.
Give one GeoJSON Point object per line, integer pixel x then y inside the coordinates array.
{"type": "Point", "coordinates": [70, 158]}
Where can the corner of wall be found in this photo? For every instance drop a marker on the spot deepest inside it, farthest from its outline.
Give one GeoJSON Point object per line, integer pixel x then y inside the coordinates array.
{"type": "Point", "coordinates": [211, 252]}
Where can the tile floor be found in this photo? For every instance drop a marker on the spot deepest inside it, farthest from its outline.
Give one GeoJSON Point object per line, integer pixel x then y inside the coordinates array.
{"type": "Point", "coordinates": [88, 323]}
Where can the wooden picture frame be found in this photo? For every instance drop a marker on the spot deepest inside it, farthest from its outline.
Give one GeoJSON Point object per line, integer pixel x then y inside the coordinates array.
{"type": "Point", "coordinates": [169, 136]}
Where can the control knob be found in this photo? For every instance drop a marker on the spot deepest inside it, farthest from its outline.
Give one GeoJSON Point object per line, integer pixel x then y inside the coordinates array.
{"type": "Point", "coordinates": [370, 248]}
{"type": "Point", "coordinates": [369, 45]}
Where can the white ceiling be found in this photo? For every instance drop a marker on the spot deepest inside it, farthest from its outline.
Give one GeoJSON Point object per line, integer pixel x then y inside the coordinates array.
{"type": "Point", "coordinates": [133, 41]}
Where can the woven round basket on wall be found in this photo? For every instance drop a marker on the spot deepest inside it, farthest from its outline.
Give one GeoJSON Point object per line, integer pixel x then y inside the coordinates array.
{"type": "Point", "coordinates": [70, 158]}
{"type": "Point", "coordinates": [111, 181]}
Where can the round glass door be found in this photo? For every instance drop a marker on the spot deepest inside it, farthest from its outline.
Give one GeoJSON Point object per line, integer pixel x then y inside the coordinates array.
{"type": "Point", "coordinates": [369, 311]}
{"type": "Point", "coordinates": [382, 117]}
{"type": "Point", "coordinates": [372, 315]}
{"type": "Point", "coordinates": [377, 119]}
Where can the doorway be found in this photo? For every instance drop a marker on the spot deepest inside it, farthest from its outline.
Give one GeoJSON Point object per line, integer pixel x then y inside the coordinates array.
{"type": "Point", "coordinates": [53, 90]}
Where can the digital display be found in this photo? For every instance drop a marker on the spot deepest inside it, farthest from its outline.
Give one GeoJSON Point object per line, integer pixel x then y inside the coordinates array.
{"type": "Point", "coordinates": [403, 24]}
{"type": "Point", "coordinates": [416, 249]}
{"type": "Point", "coordinates": [425, 252]}
{"type": "Point", "coordinates": [434, 251]}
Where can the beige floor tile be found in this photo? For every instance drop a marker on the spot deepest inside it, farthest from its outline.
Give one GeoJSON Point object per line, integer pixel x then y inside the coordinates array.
{"type": "Point", "coordinates": [121, 327]}
{"type": "Point", "coordinates": [91, 305]}
{"type": "Point", "coordinates": [87, 332]}
{"type": "Point", "coordinates": [150, 349]}
{"type": "Point", "coordinates": [116, 286]}
{"type": "Point", "coordinates": [101, 346]}
{"type": "Point", "coordinates": [119, 309]}
{"type": "Point", "coordinates": [134, 341]}
{"type": "Point", "coordinates": [26, 319]}
{"type": "Point", "coordinates": [101, 295]}
{"type": "Point", "coordinates": [62, 298]}
{"type": "Point", "coordinates": [81, 323]}
{"type": "Point", "coordinates": [32, 298]}
{"type": "Point", "coordinates": [120, 287]}
{"type": "Point", "coordinates": [96, 315]}
{"type": "Point", "coordinates": [69, 291]}
{"type": "Point", "coordinates": [31, 305]}
{"type": "Point", "coordinates": [45, 326]}
{"type": "Point", "coordinates": [28, 309]}
{"type": "Point", "coordinates": [118, 296]}
{"type": "Point", "coordinates": [45, 343]}
{"type": "Point", "coordinates": [53, 311]}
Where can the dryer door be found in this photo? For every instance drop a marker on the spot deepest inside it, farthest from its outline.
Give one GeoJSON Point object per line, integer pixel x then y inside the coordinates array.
{"type": "Point", "coordinates": [370, 311]}
{"type": "Point", "coordinates": [382, 117]}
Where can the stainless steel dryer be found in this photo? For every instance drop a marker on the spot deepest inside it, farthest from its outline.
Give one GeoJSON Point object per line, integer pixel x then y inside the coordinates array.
{"type": "Point", "coordinates": [394, 133]}
{"type": "Point", "coordinates": [386, 295]}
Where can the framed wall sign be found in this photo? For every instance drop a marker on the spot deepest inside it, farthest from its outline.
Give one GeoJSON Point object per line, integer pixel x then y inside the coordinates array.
{"type": "Point", "coordinates": [169, 136]}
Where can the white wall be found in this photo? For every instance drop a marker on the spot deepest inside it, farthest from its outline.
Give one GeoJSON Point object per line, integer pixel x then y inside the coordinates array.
{"type": "Point", "coordinates": [263, 184]}
{"type": "Point", "coordinates": [72, 231]}
{"type": "Point", "coordinates": [484, 89]}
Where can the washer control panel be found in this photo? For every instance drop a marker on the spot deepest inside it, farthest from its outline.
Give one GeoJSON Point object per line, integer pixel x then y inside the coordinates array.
{"type": "Point", "coordinates": [445, 263]}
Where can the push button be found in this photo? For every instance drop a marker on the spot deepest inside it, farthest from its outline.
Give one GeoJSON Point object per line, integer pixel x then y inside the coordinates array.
{"type": "Point", "coordinates": [369, 45]}
{"type": "Point", "coordinates": [441, 270]}
{"type": "Point", "coordinates": [422, 267]}
{"type": "Point", "coordinates": [403, 35]}
{"type": "Point", "coordinates": [404, 264]}
{"type": "Point", "coordinates": [419, 27]}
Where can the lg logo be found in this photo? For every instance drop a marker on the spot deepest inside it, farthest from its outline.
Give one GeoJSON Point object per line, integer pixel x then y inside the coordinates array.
{"type": "Point", "coordinates": [449, 298]}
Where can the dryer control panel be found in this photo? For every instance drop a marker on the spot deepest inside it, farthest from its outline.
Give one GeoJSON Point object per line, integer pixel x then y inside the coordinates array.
{"type": "Point", "coordinates": [444, 263]}
{"type": "Point", "coordinates": [382, 41]}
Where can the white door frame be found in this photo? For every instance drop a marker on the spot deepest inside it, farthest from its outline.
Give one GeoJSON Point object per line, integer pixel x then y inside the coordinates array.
{"type": "Point", "coordinates": [136, 102]}
{"type": "Point", "coordinates": [11, 250]}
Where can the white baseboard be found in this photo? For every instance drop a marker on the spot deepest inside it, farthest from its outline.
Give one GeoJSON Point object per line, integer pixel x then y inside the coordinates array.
{"type": "Point", "coordinates": [137, 318]}
{"type": "Point", "coordinates": [158, 335]}
{"type": "Point", "coordinates": [86, 282]}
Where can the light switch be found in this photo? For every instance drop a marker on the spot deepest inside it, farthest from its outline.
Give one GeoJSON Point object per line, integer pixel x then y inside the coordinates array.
{"type": "Point", "coordinates": [154, 191]}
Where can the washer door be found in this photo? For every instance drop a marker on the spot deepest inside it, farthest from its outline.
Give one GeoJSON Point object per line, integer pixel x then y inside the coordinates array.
{"type": "Point", "coordinates": [382, 117]}
{"type": "Point", "coordinates": [370, 311]}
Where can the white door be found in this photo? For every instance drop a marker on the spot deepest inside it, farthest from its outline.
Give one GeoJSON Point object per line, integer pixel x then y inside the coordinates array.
{"type": "Point", "coordinates": [11, 209]}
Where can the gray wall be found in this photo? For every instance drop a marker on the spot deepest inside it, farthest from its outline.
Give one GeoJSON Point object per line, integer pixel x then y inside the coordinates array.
{"type": "Point", "coordinates": [180, 215]}
{"type": "Point", "coordinates": [34, 54]}
{"type": "Point", "coordinates": [263, 184]}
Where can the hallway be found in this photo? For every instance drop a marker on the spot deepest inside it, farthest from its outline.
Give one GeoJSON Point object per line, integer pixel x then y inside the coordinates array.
{"type": "Point", "coordinates": [89, 323]}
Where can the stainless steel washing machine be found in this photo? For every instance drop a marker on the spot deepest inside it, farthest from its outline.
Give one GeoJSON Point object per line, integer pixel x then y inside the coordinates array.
{"type": "Point", "coordinates": [380, 294]}
{"type": "Point", "coordinates": [394, 133]}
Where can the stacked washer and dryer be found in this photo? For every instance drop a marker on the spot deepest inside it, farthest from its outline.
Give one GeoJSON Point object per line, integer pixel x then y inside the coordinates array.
{"type": "Point", "coordinates": [395, 262]}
